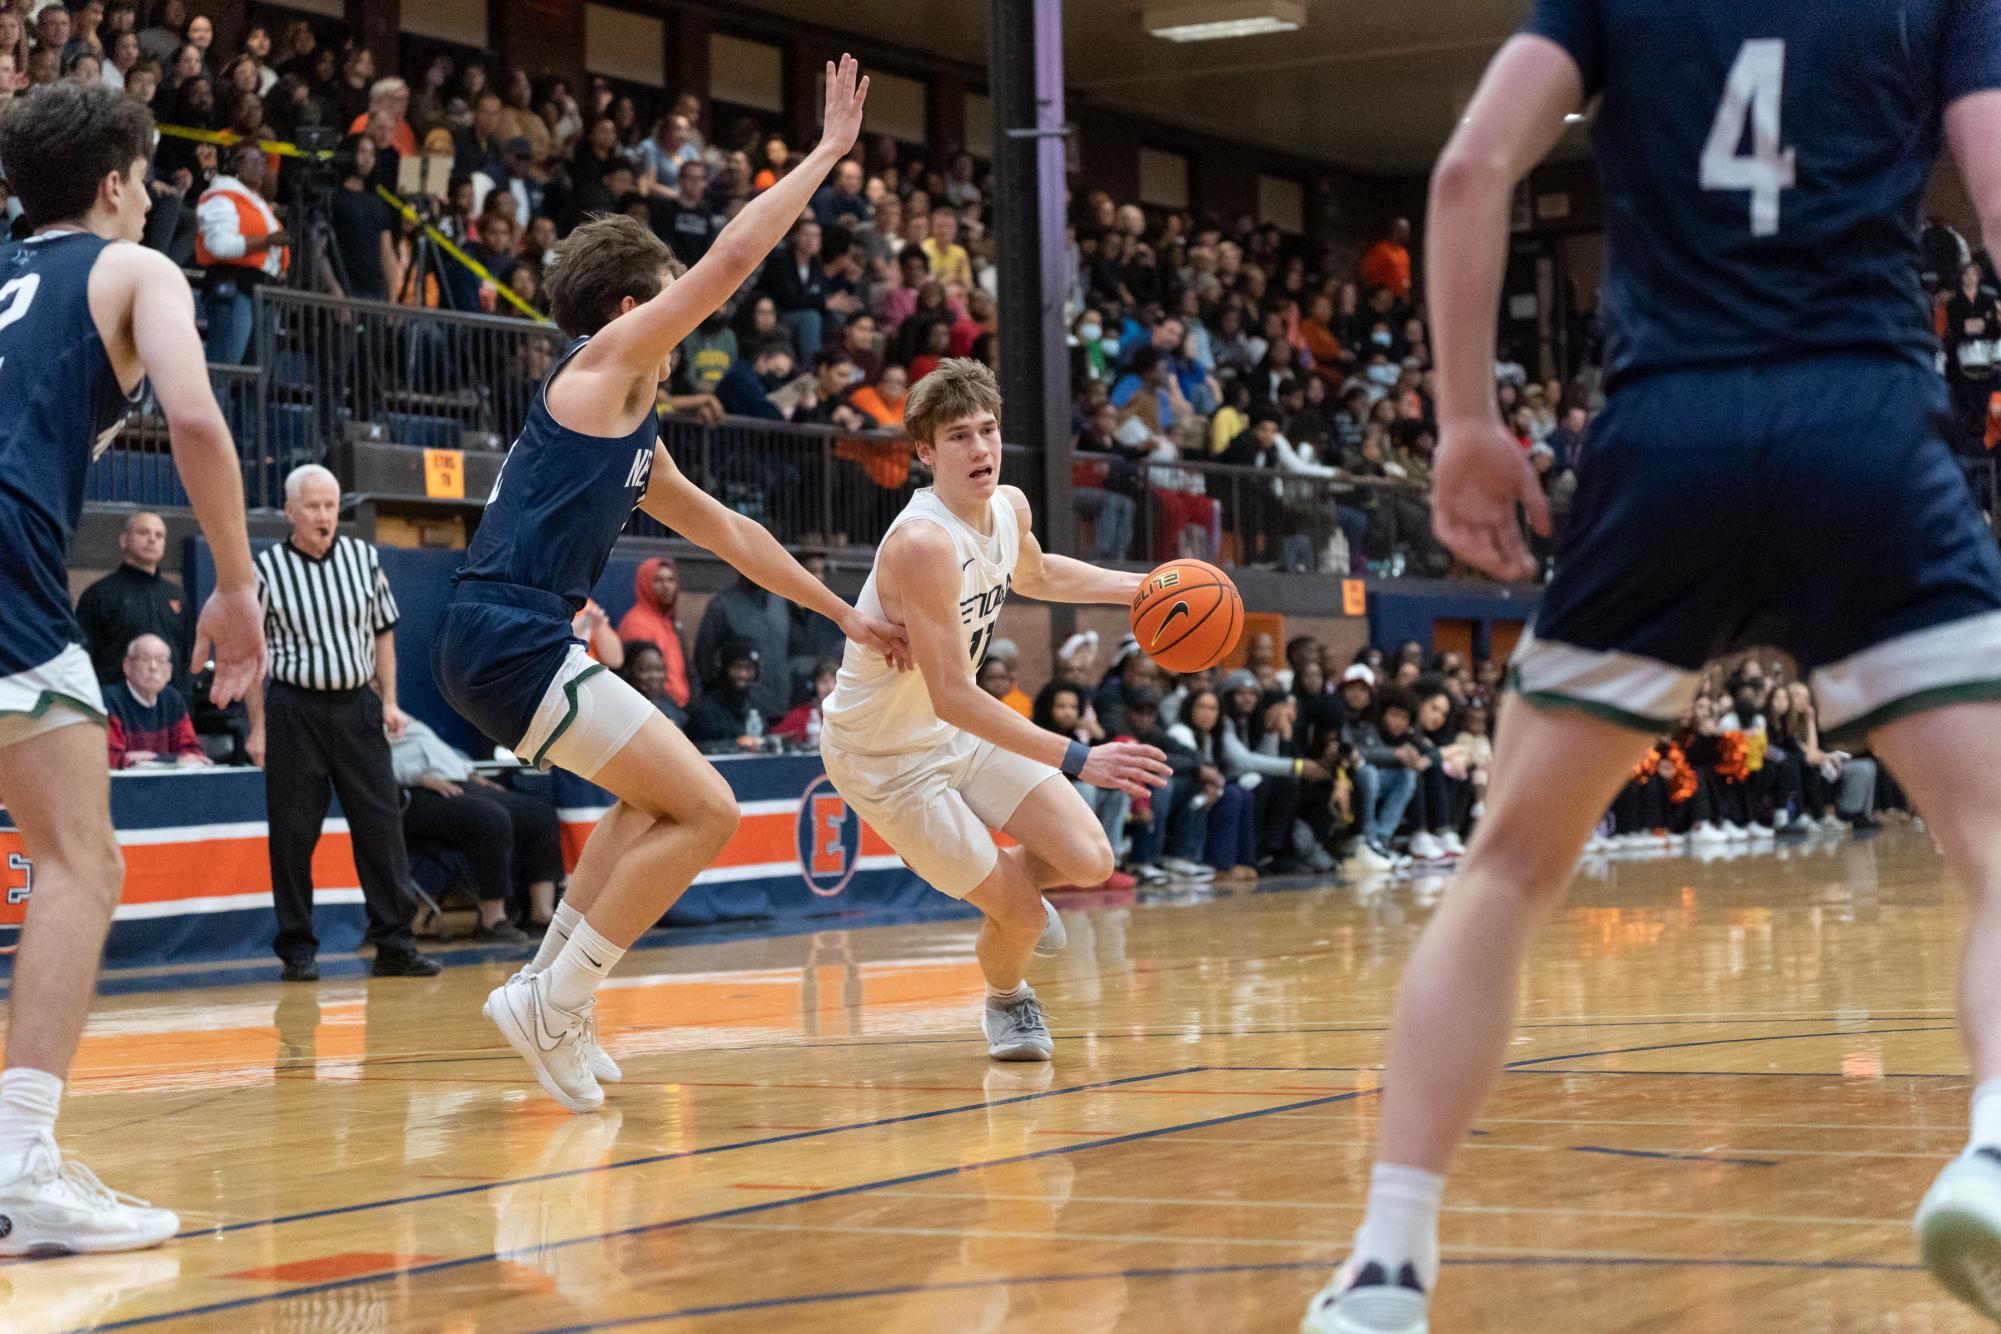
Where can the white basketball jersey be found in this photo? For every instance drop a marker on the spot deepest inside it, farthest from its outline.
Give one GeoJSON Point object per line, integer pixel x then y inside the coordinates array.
{"type": "Point", "coordinates": [877, 710]}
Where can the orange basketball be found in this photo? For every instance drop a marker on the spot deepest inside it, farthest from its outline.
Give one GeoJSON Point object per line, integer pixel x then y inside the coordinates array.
{"type": "Point", "coordinates": [1187, 616]}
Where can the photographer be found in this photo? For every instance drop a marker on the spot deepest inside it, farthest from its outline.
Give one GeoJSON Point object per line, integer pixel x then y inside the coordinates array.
{"type": "Point", "coordinates": [363, 228]}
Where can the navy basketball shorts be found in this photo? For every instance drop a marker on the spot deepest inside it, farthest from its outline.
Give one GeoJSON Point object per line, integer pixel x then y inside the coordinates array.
{"type": "Point", "coordinates": [1810, 505]}
{"type": "Point", "coordinates": [504, 658]}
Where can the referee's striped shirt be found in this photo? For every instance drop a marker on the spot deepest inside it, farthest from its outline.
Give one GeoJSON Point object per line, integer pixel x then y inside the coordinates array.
{"type": "Point", "coordinates": [321, 616]}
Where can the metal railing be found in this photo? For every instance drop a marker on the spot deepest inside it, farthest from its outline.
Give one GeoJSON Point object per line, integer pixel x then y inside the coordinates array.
{"type": "Point", "coordinates": [327, 369]}
{"type": "Point", "coordinates": [823, 487]}
{"type": "Point", "coordinates": [402, 374]}
{"type": "Point", "coordinates": [137, 467]}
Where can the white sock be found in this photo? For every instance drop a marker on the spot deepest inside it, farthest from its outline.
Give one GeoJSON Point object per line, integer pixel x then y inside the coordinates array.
{"type": "Point", "coordinates": [1986, 1115]}
{"type": "Point", "coordinates": [1401, 1226]}
{"type": "Point", "coordinates": [995, 996]}
{"type": "Point", "coordinates": [28, 1102]}
{"type": "Point", "coordinates": [586, 960]}
{"type": "Point", "coordinates": [561, 927]}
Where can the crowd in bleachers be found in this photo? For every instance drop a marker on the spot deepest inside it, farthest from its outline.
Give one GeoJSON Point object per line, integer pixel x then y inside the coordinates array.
{"type": "Point", "coordinates": [1195, 340]}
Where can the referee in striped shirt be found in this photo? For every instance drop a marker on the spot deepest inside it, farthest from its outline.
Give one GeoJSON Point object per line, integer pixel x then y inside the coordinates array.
{"type": "Point", "coordinates": [318, 727]}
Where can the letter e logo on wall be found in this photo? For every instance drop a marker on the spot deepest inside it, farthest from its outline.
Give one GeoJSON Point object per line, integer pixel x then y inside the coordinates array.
{"type": "Point", "coordinates": [17, 883]}
{"type": "Point", "coordinates": [829, 839]}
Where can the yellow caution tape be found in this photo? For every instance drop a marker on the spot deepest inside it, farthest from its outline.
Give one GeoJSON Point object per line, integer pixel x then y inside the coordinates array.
{"type": "Point", "coordinates": [282, 149]}
{"type": "Point", "coordinates": [230, 138]}
{"type": "Point", "coordinates": [445, 244]}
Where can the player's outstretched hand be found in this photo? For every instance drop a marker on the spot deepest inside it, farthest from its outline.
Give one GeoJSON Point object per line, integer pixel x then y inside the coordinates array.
{"type": "Point", "coordinates": [1482, 474]}
{"type": "Point", "coordinates": [845, 95]}
{"type": "Point", "coordinates": [884, 637]}
{"type": "Point", "coordinates": [231, 630]}
{"type": "Point", "coordinates": [1128, 766]}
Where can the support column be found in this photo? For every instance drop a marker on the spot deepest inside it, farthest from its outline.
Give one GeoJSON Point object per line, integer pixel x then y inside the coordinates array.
{"type": "Point", "coordinates": [1025, 54]}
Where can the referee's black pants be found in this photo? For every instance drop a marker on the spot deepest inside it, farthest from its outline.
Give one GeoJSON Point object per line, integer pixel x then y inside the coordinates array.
{"type": "Point", "coordinates": [318, 743]}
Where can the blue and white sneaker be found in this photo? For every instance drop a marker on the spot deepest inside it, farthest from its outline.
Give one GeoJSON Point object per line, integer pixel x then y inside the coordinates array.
{"type": "Point", "coordinates": [1959, 1229]}
{"type": "Point", "coordinates": [1368, 1299]}
{"type": "Point", "coordinates": [1016, 1030]}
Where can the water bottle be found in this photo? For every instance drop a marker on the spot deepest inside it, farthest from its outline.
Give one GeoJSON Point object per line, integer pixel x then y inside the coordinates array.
{"type": "Point", "coordinates": [754, 725]}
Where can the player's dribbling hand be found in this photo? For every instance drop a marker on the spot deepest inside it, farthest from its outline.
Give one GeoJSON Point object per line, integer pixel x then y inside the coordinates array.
{"type": "Point", "coordinates": [845, 96]}
{"type": "Point", "coordinates": [231, 630]}
{"type": "Point", "coordinates": [1127, 766]}
{"type": "Point", "coordinates": [1482, 474]}
{"type": "Point", "coordinates": [881, 636]}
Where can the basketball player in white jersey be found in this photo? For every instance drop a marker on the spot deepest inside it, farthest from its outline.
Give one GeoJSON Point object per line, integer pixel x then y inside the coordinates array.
{"type": "Point", "coordinates": [931, 761]}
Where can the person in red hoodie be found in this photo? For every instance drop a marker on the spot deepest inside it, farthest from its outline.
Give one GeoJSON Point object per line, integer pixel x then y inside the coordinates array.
{"type": "Point", "coordinates": [654, 617]}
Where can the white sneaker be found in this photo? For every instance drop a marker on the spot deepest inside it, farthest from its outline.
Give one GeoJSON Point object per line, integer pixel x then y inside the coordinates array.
{"type": "Point", "coordinates": [1369, 858]}
{"type": "Point", "coordinates": [1187, 870]}
{"type": "Point", "coordinates": [1369, 1300]}
{"type": "Point", "coordinates": [1735, 832]}
{"type": "Point", "coordinates": [549, 1039]}
{"type": "Point", "coordinates": [1761, 833]}
{"type": "Point", "coordinates": [1455, 846]}
{"type": "Point", "coordinates": [1425, 847]}
{"type": "Point", "coordinates": [1598, 845]}
{"type": "Point", "coordinates": [51, 1207]}
{"type": "Point", "coordinates": [1708, 835]}
{"type": "Point", "coordinates": [1833, 824]}
{"type": "Point", "coordinates": [1054, 934]}
{"type": "Point", "coordinates": [1017, 1031]}
{"type": "Point", "coordinates": [602, 1065]}
{"type": "Point", "coordinates": [1149, 874]}
{"type": "Point", "coordinates": [1959, 1230]}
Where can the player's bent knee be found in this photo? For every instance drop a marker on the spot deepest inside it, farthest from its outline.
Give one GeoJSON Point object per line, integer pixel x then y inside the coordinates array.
{"type": "Point", "coordinates": [716, 815]}
{"type": "Point", "coordinates": [1096, 863]}
{"type": "Point", "coordinates": [1020, 914]}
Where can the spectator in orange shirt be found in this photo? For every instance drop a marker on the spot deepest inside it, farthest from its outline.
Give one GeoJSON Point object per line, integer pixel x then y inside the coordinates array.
{"type": "Point", "coordinates": [883, 400]}
{"type": "Point", "coordinates": [1317, 332]}
{"type": "Point", "coordinates": [1387, 264]}
{"type": "Point", "coordinates": [391, 95]}
{"type": "Point", "coordinates": [1005, 652]}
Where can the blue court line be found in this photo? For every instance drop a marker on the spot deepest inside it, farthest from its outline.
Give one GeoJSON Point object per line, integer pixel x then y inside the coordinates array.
{"type": "Point", "coordinates": [1723, 1042]}
{"type": "Point", "coordinates": [720, 1215]}
{"type": "Point", "coordinates": [649, 1160]}
{"type": "Point", "coordinates": [1674, 1157]}
{"type": "Point", "coordinates": [1198, 1271]}
{"type": "Point", "coordinates": [1544, 1070]}
{"type": "Point", "coordinates": [819, 1196]}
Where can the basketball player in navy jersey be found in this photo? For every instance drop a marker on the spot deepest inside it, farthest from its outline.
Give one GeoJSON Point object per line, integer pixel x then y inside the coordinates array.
{"type": "Point", "coordinates": [504, 656]}
{"type": "Point", "coordinates": [1773, 401]}
{"type": "Point", "coordinates": [86, 319]}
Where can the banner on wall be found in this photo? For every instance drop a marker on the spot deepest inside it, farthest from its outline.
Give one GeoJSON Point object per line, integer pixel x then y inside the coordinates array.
{"type": "Point", "coordinates": [198, 879]}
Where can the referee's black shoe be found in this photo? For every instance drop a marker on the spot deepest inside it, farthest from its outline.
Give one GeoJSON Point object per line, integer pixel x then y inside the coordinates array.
{"type": "Point", "coordinates": [406, 963]}
{"type": "Point", "coordinates": [300, 970]}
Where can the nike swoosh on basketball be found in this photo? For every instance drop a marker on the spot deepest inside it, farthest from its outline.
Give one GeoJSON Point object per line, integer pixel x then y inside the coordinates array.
{"type": "Point", "coordinates": [1178, 609]}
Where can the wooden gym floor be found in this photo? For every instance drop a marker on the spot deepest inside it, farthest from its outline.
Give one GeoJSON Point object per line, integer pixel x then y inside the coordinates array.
{"type": "Point", "coordinates": [1734, 1081]}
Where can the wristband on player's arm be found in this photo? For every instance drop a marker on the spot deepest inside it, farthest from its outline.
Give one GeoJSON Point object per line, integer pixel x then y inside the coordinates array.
{"type": "Point", "coordinates": [1075, 758]}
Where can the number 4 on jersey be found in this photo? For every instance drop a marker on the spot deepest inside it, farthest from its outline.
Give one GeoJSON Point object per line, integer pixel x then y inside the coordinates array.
{"type": "Point", "coordinates": [1751, 93]}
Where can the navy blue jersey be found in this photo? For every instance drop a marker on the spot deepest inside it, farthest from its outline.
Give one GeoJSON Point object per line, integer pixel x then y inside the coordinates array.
{"type": "Point", "coordinates": [1764, 165]}
{"type": "Point", "coordinates": [560, 502]}
{"type": "Point", "coordinates": [60, 404]}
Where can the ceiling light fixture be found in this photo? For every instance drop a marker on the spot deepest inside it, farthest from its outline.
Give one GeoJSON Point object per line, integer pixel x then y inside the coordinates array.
{"type": "Point", "coordinates": [1224, 18]}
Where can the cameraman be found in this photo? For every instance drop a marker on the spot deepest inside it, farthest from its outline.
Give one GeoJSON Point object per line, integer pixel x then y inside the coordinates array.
{"type": "Point", "coordinates": [363, 228]}
{"type": "Point", "coordinates": [239, 245]}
